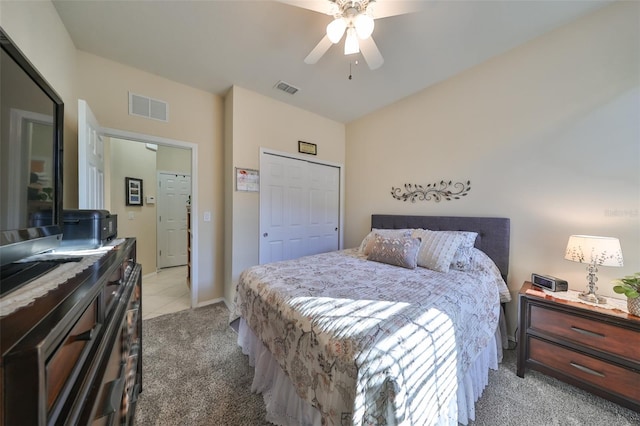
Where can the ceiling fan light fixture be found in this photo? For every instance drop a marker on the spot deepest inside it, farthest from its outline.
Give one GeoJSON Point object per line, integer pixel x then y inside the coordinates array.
{"type": "Point", "coordinates": [335, 30]}
{"type": "Point", "coordinates": [364, 26]}
{"type": "Point", "coordinates": [351, 44]}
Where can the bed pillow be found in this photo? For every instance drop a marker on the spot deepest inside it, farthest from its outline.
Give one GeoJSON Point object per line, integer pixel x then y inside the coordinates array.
{"type": "Point", "coordinates": [398, 251]}
{"type": "Point", "coordinates": [437, 249]}
{"type": "Point", "coordinates": [462, 257]}
{"type": "Point", "coordinates": [367, 242]}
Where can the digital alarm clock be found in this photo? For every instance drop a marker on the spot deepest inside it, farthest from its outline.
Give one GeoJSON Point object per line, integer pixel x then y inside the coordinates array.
{"type": "Point", "coordinates": [549, 282]}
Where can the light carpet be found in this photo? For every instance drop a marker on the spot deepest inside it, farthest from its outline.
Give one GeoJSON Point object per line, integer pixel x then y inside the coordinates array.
{"type": "Point", "coordinates": [194, 373]}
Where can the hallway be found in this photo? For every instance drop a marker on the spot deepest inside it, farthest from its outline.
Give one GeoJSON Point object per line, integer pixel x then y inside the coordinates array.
{"type": "Point", "coordinates": [165, 292]}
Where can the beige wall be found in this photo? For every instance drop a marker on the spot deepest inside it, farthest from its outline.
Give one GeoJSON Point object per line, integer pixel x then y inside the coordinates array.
{"type": "Point", "coordinates": [170, 159]}
{"type": "Point", "coordinates": [53, 54]}
{"type": "Point", "coordinates": [254, 122]}
{"type": "Point", "coordinates": [547, 133]}
{"type": "Point", "coordinates": [133, 159]}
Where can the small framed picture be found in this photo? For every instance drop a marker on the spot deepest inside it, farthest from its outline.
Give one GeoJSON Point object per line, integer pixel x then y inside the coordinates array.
{"type": "Point", "coordinates": [133, 191]}
{"type": "Point", "coordinates": [307, 148]}
{"type": "Point", "coordinates": [247, 180]}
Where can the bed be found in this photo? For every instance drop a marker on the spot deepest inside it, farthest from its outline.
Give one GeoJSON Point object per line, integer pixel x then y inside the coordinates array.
{"type": "Point", "coordinates": [346, 338]}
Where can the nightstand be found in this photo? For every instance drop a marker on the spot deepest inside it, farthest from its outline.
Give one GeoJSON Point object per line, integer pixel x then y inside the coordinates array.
{"type": "Point", "coordinates": [590, 347]}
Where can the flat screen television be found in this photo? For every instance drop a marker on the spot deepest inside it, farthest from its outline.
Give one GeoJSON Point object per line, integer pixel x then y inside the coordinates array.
{"type": "Point", "coordinates": [31, 122]}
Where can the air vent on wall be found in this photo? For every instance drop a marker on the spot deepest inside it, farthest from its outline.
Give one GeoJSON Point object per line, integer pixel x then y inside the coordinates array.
{"type": "Point", "coordinates": [144, 106]}
{"type": "Point", "coordinates": [285, 87]}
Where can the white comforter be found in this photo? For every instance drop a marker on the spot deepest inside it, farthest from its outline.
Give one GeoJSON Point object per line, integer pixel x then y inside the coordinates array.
{"type": "Point", "coordinates": [369, 343]}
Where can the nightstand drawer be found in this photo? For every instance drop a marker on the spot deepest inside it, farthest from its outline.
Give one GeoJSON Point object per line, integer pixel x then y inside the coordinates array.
{"type": "Point", "coordinates": [598, 335]}
{"type": "Point", "coordinates": [587, 369]}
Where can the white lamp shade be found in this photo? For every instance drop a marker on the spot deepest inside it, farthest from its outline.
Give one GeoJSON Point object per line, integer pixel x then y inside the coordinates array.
{"type": "Point", "coordinates": [603, 251]}
{"type": "Point", "coordinates": [335, 29]}
{"type": "Point", "coordinates": [364, 26]}
{"type": "Point", "coordinates": [351, 44]}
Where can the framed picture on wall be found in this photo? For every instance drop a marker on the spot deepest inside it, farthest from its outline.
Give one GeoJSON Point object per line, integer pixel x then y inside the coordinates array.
{"type": "Point", "coordinates": [133, 191]}
{"type": "Point", "coordinates": [307, 148]}
{"type": "Point", "coordinates": [247, 180]}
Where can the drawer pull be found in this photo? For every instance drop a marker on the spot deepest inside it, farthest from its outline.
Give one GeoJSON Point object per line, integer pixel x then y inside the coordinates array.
{"type": "Point", "coordinates": [87, 335]}
{"type": "Point", "coordinates": [586, 369]}
{"type": "Point", "coordinates": [113, 399]}
{"type": "Point", "coordinates": [587, 332]}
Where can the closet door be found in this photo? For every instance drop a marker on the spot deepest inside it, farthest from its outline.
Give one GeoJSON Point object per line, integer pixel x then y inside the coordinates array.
{"type": "Point", "coordinates": [299, 208]}
{"type": "Point", "coordinates": [324, 207]}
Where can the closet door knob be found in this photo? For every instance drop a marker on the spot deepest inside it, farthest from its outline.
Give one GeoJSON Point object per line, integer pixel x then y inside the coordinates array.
{"type": "Point", "coordinates": [266, 234]}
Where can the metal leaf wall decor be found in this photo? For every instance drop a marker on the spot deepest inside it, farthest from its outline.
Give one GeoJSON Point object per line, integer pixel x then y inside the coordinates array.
{"type": "Point", "coordinates": [444, 190]}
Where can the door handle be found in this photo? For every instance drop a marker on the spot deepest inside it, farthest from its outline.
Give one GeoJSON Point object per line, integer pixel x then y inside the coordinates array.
{"type": "Point", "coordinates": [266, 234]}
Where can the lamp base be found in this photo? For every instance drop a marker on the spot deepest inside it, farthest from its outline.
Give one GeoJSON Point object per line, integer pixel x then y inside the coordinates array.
{"type": "Point", "coordinates": [592, 297]}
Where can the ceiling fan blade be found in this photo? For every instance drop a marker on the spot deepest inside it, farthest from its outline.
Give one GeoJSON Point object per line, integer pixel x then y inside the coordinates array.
{"type": "Point", "coordinates": [371, 53]}
{"type": "Point", "coordinates": [318, 51]}
{"type": "Point", "coordinates": [386, 8]}
{"type": "Point", "coordinates": [322, 6]}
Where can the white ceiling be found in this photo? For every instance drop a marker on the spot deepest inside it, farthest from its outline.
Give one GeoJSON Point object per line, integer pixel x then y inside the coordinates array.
{"type": "Point", "coordinates": [212, 45]}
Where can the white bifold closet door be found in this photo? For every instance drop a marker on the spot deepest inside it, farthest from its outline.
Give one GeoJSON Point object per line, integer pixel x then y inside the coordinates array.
{"type": "Point", "coordinates": [299, 208]}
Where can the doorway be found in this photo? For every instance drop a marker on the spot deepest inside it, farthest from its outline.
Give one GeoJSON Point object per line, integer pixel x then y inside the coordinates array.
{"type": "Point", "coordinates": [90, 130]}
{"type": "Point", "coordinates": [187, 149]}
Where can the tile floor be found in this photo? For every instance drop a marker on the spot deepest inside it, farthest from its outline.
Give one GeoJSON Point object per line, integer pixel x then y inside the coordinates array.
{"type": "Point", "coordinates": [165, 292]}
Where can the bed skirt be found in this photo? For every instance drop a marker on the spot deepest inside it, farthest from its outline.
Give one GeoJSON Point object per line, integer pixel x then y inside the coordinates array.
{"type": "Point", "coordinates": [284, 407]}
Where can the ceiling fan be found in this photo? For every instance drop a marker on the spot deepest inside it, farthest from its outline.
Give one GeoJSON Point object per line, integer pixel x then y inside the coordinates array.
{"type": "Point", "coordinates": [355, 18]}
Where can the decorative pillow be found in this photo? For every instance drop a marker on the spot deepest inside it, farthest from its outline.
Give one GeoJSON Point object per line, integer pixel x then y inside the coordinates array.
{"type": "Point", "coordinates": [437, 249]}
{"type": "Point", "coordinates": [462, 257]}
{"type": "Point", "coordinates": [399, 251]}
{"type": "Point", "coordinates": [367, 242]}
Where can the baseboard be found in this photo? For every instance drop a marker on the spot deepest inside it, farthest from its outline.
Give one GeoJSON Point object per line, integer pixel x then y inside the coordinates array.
{"type": "Point", "coordinates": [212, 302]}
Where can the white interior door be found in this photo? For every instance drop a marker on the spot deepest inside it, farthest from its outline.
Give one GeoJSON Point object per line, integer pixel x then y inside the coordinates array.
{"type": "Point", "coordinates": [173, 194]}
{"type": "Point", "coordinates": [90, 160]}
{"type": "Point", "coordinates": [299, 208]}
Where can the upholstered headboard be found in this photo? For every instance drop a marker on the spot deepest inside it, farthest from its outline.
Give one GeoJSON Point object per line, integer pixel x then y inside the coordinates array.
{"type": "Point", "coordinates": [493, 232]}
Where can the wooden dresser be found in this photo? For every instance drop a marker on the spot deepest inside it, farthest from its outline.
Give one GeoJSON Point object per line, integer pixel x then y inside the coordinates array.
{"type": "Point", "coordinates": [74, 355]}
{"type": "Point", "coordinates": [590, 347]}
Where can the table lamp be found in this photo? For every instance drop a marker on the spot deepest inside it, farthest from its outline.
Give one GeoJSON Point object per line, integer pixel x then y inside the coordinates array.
{"type": "Point", "coordinates": [596, 251]}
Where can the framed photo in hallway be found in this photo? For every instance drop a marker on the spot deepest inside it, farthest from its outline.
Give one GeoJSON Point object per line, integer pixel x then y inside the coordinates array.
{"type": "Point", "coordinates": [133, 191]}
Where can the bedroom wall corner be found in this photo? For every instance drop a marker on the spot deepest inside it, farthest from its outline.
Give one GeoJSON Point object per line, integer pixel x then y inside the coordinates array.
{"type": "Point", "coordinates": [547, 133]}
{"type": "Point", "coordinates": [229, 287]}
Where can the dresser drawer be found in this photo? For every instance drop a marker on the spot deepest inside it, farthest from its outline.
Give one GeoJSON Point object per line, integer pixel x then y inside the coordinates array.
{"type": "Point", "coordinates": [587, 369]}
{"type": "Point", "coordinates": [597, 335]}
{"type": "Point", "coordinates": [62, 362]}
